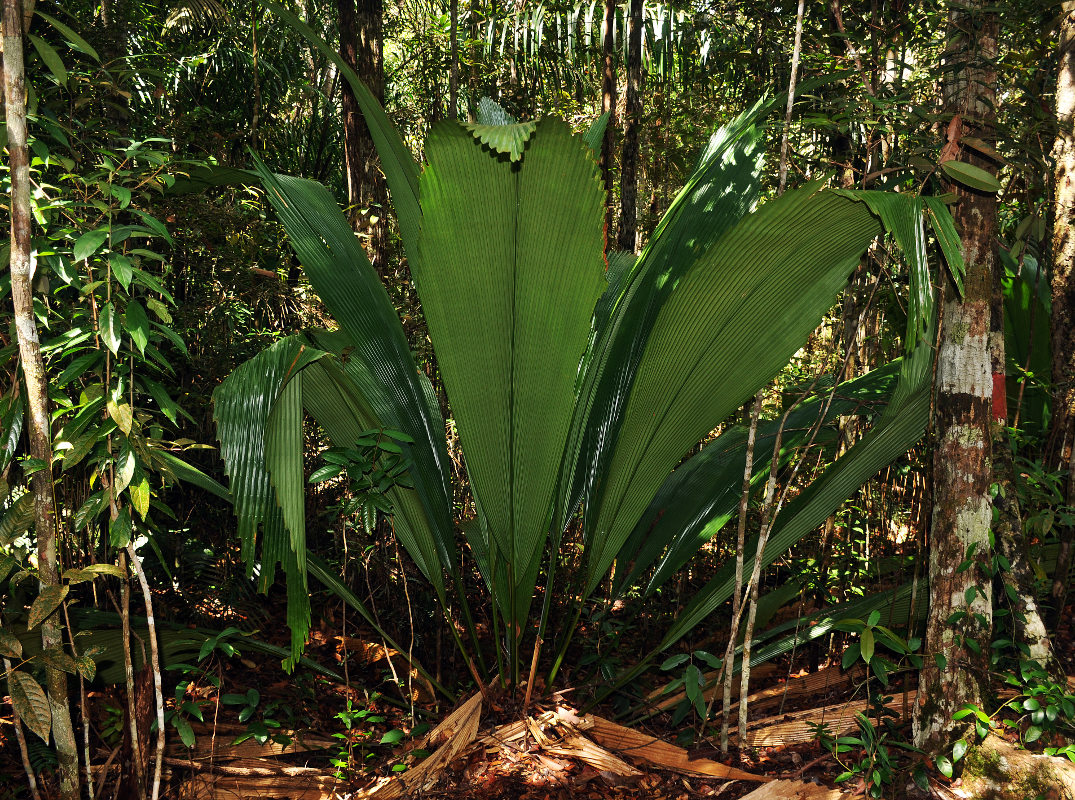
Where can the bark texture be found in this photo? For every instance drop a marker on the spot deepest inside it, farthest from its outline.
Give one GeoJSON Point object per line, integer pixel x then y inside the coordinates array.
{"type": "Point", "coordinates": [626, 237]}
{"type": "Point", "coordinates": [955, 668]}
{"type": "Point", "coordinates": [1063, 285]}
{"type": "Point", "coordinates": [361, 39]}
{"type": "Point", "coordinates": [608, 105]}
{"type": "Point", "coordinates": [45, 520]}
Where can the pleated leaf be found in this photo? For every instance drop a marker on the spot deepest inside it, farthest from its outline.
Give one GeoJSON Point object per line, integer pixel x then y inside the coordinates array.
{"type": "Point", "coordinates": [892, 436]}
{"type": "Point", "coordinates": [506, 139]}
{"type": "Point", "coordinates": [258, 445]}
{"type": "Point", "coordinates": [333, 395]}
{"type": "Point", "coordinates": [509, 268]}
{"type": "Point", "coordinates": [374, 354]}
{"type": "Point", "coordinates": [736, 317]}
{"type": "Point", "coordinates": [702, 494]}
{"type": "Point", "coordinates": [724, 187]}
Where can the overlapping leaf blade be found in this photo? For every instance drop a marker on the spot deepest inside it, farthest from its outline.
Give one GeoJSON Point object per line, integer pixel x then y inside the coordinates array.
{"type": "Point", "coordinates": [254, 441]}
{"type": "Point", "coordinates": [725, 186]}
{"type": "Point", "coordinates": [893, 435]}
{"type": "Point", "coordinates": [400, 168]}
{"type": "Point", "coordinates": [376, 355]}
{"type": "Point", "coordinates": [717, 340]}
{"type": "Point", "coordinates": [509, 298]}
{"type": "Point", "coordinates": [701, 495]}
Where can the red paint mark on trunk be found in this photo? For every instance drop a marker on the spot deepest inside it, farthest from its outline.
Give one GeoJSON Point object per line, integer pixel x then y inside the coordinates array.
{"type": "Point", "coordinates": [1000, 397]}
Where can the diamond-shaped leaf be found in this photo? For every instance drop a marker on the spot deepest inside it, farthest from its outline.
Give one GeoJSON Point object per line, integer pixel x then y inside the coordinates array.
{"type": "Point", "coordinates": [46, 602]}
{"type": "Point", "coordinates": [10, 646]}
{"type": "Point", "coordinates": [31, 704]}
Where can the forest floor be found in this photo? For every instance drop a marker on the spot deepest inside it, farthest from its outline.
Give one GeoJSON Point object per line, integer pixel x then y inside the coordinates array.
{"type": "Point", "coordinates": [304, 737]}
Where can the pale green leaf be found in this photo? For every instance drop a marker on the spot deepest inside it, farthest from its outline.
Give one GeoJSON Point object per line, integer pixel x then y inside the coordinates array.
{"type": "Point", "coordinates": [971, 176]}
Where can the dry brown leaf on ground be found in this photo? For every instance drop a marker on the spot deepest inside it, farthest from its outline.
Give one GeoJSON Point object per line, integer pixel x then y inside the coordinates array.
{"type": "Point", "coordinates": [795, 728]}
{"type": "Point", "coordinates": [794, 790]}
{"type": "Point", "coordinates": [636, 745]}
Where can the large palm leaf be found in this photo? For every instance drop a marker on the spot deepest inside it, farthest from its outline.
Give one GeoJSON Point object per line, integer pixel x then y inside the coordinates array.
{"type": "Point", "coordinates": [510, 316]}
{"type": "Point", "coordinates": [561, 394]}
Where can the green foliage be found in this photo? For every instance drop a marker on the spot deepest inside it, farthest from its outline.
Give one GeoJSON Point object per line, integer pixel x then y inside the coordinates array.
{"type": "Point", "coordinates": [675, 355]}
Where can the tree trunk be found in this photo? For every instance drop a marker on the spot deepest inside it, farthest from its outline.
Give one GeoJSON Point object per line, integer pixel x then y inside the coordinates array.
{"type": "Point", "coordinates": [1063, 286]}
{"type": "Point", "coordinates": [36, 387]}
{"type": "Point", "coordinates": [957, 659]}
{"type": "Point", "coordinates": [608, 104]}
{"type": "Point", "coordinates": [361, 49]}
{"type": "Point", "coordinates": [453, 57]}
{"type": "Point", "coordinates": [625, 239]}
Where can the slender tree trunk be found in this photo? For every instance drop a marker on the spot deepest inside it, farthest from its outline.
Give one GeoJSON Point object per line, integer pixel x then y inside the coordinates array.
{"type": "Point", "coordinates": [955, 669]}
{"type": "Point", "coordinates": [453, 57]}
{"type": "Point", "coordinates": [608, 105]}
{"type": "Point", "coordinates": [625, 239]}
{"type": "Point", "coordinates": [45, 518]}
{"type": "Point", "coordinates": [1062, 426]}
{"type": "Point", "coordinates": [361, 49]}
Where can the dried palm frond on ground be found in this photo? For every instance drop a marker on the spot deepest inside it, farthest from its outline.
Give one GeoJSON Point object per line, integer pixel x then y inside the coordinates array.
{"type": "Point", "coordinates": [544, 747]}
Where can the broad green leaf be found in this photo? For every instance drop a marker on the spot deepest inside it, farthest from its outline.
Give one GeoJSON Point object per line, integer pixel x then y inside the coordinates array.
{"type": "Point", "coordinates": [702, 494]}
{"type": "Point", "coordinates": [400, 169]}
{"type": "Point", "coordinates": [959, 749]}
{"type": "Point", "coordinates": [379, 384]}
{"type": "Point", "coordinates": [51, 58]}
{"type": "Point", "coordinates": [243, 405]}
{"type": "Point", "coordinates": [192, 475]}
{"type": "Point", "coordinates": [903, 217]}
{"type": "Point", "coordinates": [725, 186]}
{"type": "Point", "coordinates": [89, 510]}
{"type": "Point", "coordinates": [944, 229]}
{"type": "Point", "coordinates": [121, 530]}
{"type": "Point", "coordinates": [507, 139]}
{"type": "Point", "coordinates": [125, 465]}
{"type": "Point", "coordinates": [182, 727]}
{"type": "Point", "coordinates": [138, 491]}
{"type": "Point", "coordinates": [892, 436]}
{"type": "Point", "coordinates": [710, 348]}
{"type": "Point", "coordinates": [866, 645]}
{"type": "Point", "coordinates": [45, 603]}
{"type": "Point", "coordinates": [108, 327]}
{"type": "Point", "coordinates": [18, 518]}
{"type": "Point", "coordinates": [595, 134]}
{"type": "Point", "coordinates": [509, 362]}
{"type": "Point", "coordinates": [491, 113]}
{"type": "Point", "coordinates": [971, 176]}
{"type": "Point", "coordinates": [30, 703]}
{"type": "Point", "coordinates": [56, 658]}
{"type": "Point", "coordinates": [91, 572]}
{"type": "Point", "coordinates": [89, 243]}
{"type": "Point", "coordinates": [72, 38]}
{"type": "Point", "coordinates": [136, 324]}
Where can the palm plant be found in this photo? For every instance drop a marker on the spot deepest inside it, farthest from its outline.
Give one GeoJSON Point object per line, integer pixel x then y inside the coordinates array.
{"type": "Point", "coordinates": [577, 385]}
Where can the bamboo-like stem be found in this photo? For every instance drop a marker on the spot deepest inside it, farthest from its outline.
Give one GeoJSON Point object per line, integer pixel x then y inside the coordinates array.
{"type": "Point", "coordinates": [128, 670]}
{"type": "Point", "coordinates": [791, 96]}
{"type": "Point", "coordinates": [744, 503]}
{"type": "Point", "coordinates": [82, 707]}
{"type": "Point", "coordinates": [20, 735]}
{"type": "Point", "coordinates": [154, 655]}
